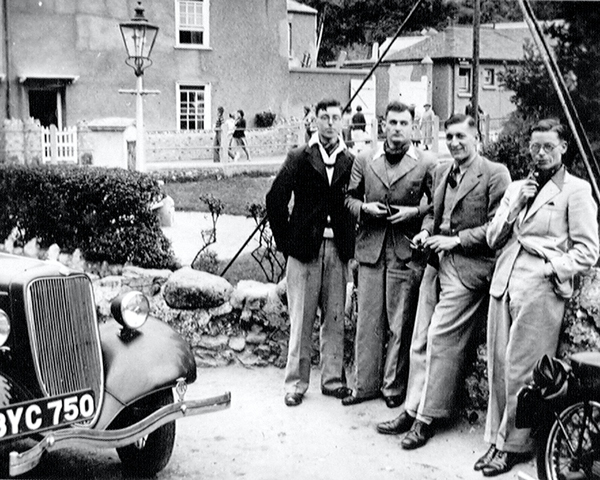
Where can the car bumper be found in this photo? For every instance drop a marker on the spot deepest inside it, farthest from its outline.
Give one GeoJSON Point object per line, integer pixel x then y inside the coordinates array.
{"type": "Point", "coordinates": [20, 463]}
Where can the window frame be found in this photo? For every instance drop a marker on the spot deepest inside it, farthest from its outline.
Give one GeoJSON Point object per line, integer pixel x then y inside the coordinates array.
{"type": "Point", "coordinates": [205, 29]}
{"type": "Point", "coordinates": [461, 91]}
{"type": "Point", "coordinates": [191, 86]}
{"type": "Point", "coordinates": [494, 80]}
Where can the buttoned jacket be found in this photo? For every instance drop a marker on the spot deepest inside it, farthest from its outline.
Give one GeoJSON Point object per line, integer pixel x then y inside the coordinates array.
{"type": "Point", "coordinates": [560, 226]}
{"type": "Point", "coordinates": [304, 175]}
{"type": "Point", "coordinates": [407, 183]}
{"type": "Point", "coordinates": [477, 199]}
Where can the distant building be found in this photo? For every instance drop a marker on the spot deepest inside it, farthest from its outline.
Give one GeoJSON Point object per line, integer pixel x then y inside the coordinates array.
{"type": "Point", "coordinates": [437, 68]}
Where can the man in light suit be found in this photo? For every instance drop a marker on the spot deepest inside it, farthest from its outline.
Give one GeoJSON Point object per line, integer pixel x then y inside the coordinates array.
{"type": "Point", "coordinates": [467, 193]}
{"type": "Point", "coordinates": [547, 226]}
{"type": "Point", "coordinates": [384, 195]}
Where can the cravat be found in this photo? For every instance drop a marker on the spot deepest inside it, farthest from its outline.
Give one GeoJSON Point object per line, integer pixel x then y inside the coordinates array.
{"type": "Point", "coordinates": [453, 175]}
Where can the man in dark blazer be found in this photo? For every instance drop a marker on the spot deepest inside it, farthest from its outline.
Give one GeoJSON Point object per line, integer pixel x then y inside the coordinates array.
{"type": "Point", "coordinates": [467, 193]}
{"type": "Point", "coordinates": [384, 195]}
{"type": "Point", "coordinates": [318, 240]}
{"type": "Point", "coordinates": [547, 227]}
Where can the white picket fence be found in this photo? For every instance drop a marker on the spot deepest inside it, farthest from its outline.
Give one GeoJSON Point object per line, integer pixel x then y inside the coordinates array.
{"type": "Point", "coordinates": [59, 146]}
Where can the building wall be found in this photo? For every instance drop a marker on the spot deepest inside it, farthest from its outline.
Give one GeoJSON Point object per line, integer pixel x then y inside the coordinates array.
{"type": "Point", "coordinates": [443, 90]}
{"type": "Point", "coordinates": [248, 38]}
{"type": "Point", "coordinates": [304, 38]}
{"type": "Point", "coordinates": [309, 85]}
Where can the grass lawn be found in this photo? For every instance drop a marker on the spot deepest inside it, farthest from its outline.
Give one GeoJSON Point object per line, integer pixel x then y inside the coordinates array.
{"type": "Point", "coordinates": [237, 192]}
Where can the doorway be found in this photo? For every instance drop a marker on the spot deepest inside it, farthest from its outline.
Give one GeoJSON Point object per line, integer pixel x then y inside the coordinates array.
{"type": "Point", "coordinates": [47, 107]}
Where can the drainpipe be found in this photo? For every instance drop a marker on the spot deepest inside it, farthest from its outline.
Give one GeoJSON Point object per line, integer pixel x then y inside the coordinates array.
{"type": "Point", "coordinates": [6, 55]}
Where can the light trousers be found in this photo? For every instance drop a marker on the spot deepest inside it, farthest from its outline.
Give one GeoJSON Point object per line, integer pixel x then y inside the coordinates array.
{"type": "Point", "coordinates": [320, 283]}
{"type": "Point", "coordinates": [442, 332]}
{"type": "Point", "coordinates": [387, 302]}
{"type": "Point", "coordinates": [523, 325]}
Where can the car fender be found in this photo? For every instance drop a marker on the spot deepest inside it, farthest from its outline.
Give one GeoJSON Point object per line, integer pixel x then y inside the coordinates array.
{"type": "Point", "coordinates": [137, 364]}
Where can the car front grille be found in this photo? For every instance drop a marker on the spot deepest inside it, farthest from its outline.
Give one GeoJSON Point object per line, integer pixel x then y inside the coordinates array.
{"type": "Point", "coordinates": [64, 335]}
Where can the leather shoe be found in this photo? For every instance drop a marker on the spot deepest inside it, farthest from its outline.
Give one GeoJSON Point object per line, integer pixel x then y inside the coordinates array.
{"type": "Point", "coordinates": [354, 400]}
{"type": "Point", "coordinates": [293, 399]}
{"type": "Point", "coordinates": [485, 459]}
{"type": "Point", "coordinates": [393, 401]}
{"type": "Point", "coordinates": [503, 462]}
{"type": "Point", "coordinates": [417, 436]}
{"type": "Point", "coordinates": [341, 392]}
{"type": "Point", "coordinates": [400, 424]}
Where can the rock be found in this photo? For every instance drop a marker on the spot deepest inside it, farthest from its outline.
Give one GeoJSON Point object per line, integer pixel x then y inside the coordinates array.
{"type": "Point", "coordinates": [237, 343]}
{"type": "Point", "coordinates": [146, 280]}
{"type": "Point", "coordinates": [256, 338]}
{"type": "Point", "coordinates": [258, 301]}
{"type": "Point", "coordinates": [213, 343]}
{"type": "Point", "coordinates": [188, 289]}
{"type": "Point", "coordinates": [249, 359]}
{"type": "Point", "coordinates": [222, 310]}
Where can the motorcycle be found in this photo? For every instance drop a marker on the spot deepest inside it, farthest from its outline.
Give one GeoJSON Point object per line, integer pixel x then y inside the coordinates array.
{"type": "Point", "coordinates": [562, 407]}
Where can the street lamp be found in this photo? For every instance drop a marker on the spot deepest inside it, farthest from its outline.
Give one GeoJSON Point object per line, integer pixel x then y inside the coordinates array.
{"type": "Point", "coordinates": [139, 37]}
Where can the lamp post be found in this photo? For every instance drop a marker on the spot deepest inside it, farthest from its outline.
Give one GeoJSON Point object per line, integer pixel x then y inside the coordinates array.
{"type": "Point", "coordinates": [139, 37]}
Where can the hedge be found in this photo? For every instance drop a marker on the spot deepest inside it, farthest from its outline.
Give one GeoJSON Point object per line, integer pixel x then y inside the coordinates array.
{"type": "Point", "coordinates": [104, 212]}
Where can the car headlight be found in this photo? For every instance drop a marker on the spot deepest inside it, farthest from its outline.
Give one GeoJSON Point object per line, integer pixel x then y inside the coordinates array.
{"type": "Point", "coordinates": [4, 327]}
{"type": "Point", "coordinates": [130, 309]}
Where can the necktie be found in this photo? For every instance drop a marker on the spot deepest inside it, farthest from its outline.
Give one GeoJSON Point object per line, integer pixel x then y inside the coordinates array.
{"type": "Point", "coordinates": [453, 176]}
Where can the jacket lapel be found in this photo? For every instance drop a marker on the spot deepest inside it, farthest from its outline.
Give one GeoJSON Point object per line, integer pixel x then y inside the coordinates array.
{"type": "Point", "coordinates": [440, 193]}
{"type": "Point", "coordinates": [342, 163]}
{"type": "Point", "coordinates": [406, 165]}
{"type": "Point", "coordinates": [316, 161]}
{"type": "Point", "coordinates": [379, 168]}
{"type": "Point", "coordinates": [552, 188]}
{"type": "Point", "coordinates": [469, 181]}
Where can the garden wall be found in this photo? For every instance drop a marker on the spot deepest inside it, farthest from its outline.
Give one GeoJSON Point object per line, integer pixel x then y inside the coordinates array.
{"type": "Point", "coordinates": [248, 323]}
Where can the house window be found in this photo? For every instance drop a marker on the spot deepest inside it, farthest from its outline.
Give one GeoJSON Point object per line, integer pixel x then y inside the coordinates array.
{"type": "Point", "coordinates": [192, 22]}
{"type": "Point", "coordinates": [464, 80]}
{"type": "Point", "coordinates": [193, 107]}
{"type": "Point", "coordinates": [489, 77]}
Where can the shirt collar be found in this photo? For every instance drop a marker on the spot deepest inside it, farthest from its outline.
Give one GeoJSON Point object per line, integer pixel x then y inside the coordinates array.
{"type": "Point", "coordinates": [327, 159]}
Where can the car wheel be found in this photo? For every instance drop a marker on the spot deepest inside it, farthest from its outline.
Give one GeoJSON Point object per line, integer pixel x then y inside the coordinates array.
{"type": "Point", "coordinates": [149, 454]}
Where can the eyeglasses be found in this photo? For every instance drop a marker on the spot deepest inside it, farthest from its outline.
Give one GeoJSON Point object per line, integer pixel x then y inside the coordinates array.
{"type": "Point", "coordinates": [547, 147]}
{"type": "Point", "coordinates": [326, 118]}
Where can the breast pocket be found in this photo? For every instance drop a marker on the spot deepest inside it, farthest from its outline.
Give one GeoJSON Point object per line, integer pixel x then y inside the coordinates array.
{"type": "Point", "coordinates": [549, 219]}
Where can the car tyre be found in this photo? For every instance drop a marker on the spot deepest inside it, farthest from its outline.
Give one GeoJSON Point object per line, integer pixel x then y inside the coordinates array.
{"type": "Point", "coordinates": [150, 454]}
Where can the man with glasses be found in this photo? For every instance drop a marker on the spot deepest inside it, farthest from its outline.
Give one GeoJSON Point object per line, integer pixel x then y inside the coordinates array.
{"type": "Point", "coordinates": [467, 193]}
{"type": "Point", "coordinates": [547, 227]}
{"type": "Point", "coordinates": [385, 193]}
{"type": "Point", "coordinates": [318, 240]}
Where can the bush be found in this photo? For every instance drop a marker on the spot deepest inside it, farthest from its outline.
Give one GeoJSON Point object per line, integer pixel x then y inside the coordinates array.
{"type": "Point", "coordinates": [264, 119]}
{"type": "Point", "coordinates": [104, 212]}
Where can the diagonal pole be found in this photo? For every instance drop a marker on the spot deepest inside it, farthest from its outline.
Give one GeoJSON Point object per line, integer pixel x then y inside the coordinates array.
{"type": "Point", "coordinates": [579, 134]}
{"type": "Point", "coordinates": [382, 56]}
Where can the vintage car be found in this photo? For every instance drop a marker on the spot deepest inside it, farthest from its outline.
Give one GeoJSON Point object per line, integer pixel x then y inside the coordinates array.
{"type": "Point", "coordinates": [68, 380]}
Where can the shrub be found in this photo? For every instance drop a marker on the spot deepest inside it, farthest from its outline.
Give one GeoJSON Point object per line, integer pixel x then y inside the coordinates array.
{"type": "Point", "coordinates": [104, 212]}
{"type": "Point", "coordinates": [264, 119]}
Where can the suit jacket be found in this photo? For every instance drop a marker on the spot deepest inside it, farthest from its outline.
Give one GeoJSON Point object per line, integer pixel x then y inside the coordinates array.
{"type": "Point", "coordinates": [373, 180]}
{"type": "Point", "coordinates": [301, 233]}
{"type": "Point", "coordinates": [560, 226]}
{"type": "Point", "coordinates": [477, 200]}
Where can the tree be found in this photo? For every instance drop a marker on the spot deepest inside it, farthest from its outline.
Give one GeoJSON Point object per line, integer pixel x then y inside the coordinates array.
{"type": "Point", "coordinates": [577, 49]}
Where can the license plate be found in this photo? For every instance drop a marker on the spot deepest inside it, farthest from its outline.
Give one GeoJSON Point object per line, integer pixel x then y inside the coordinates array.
{"type": "Point", "coordinates": [46, 413]}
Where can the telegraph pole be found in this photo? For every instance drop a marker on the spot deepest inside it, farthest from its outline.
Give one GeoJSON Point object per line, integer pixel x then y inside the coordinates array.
{"type": "Point", "coordinates": [475, 92]}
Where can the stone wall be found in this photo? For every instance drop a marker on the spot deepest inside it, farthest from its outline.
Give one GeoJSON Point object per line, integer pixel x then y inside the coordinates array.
{"type": "Point", "coordinates": [248, 323]}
